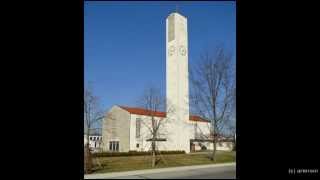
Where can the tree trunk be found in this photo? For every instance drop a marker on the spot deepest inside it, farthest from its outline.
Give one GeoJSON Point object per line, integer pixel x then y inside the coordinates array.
{"type": "Point", "coordinates": [214, 151]}
{"type": "Point", "coordinates": [213, 155]}
{"type": "Point", "coordinates": [153, 154]}
{"type": "Point", "coordinates": [87, 157]}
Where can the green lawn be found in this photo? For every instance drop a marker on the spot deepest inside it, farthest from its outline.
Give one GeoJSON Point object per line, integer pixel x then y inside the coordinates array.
{"type": "Point", "coordinates": [114, 164]}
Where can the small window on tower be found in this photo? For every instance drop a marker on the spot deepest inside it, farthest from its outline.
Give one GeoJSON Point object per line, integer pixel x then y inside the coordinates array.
{"type": "Point", "coordinates": [171, 28]}
{"type": "Point", "coordinates": [137, 145]}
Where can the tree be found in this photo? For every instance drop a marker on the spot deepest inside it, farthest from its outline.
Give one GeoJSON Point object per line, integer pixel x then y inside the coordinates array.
{"type": "Point", "coordinates": [154, 102]}
{"type": "Point", "coordinates": [213, 90]}
{"type": "Point", "coordinates": [92, 116]}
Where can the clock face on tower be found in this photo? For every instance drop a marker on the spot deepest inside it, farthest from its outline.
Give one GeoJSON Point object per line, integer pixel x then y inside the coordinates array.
{"type": "Point", "coordinates": [171, 50]}
{"type": "Point", "coordinates": [183, 50]}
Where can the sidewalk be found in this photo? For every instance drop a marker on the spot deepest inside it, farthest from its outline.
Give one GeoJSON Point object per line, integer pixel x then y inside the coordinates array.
{"type": "Point", "coordinates": [151, 171]}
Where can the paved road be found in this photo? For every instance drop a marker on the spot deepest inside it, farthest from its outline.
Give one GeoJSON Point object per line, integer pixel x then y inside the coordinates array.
{"type": "Point", "coordinates": [223, 172]}
{"type": "Point", "coordinates": [228, 172]}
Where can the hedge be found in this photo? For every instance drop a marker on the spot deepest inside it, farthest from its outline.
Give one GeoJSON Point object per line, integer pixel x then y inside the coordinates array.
{"type": "Point", "coordinates": [133, 153]}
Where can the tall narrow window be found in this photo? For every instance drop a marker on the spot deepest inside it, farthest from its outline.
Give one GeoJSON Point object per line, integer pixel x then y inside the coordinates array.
{"type": "Point", "coordinates": [113, 146]}
{"type": "Point", "coordinates": [117, 146]}
{"type": "Point", "coordinates": [138, 127]}
{"type": "Point", "coordinates": [171, 28]}
{"type": "Point", "coordinates": [196, 130]}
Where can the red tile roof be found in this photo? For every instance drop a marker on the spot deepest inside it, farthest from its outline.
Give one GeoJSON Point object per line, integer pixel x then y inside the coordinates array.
{"type": "Point", "coordinates": [141, 111]}
{"type": "Point", "coordinates": [197, 118]}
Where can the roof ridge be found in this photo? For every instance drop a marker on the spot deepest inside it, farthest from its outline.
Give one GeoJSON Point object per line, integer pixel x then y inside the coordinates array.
{"type": "Point", "coordinates": [144, 111]}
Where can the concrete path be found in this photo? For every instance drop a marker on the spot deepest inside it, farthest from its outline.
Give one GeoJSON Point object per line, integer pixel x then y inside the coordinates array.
{"type": "Point", "coordinates": [221, 171]}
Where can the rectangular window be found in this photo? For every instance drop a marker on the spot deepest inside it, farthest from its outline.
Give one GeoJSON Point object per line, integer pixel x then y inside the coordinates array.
{"type": "Point", "coordinates": [114, 145]}
{"type": "Point", "coordinates": [137, 145]}
{"type": "Point", "coordinates": [138, 127]}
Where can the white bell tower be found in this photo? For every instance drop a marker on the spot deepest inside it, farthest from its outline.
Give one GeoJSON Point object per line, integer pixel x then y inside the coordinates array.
{"type": "Point", "coordinates": [177, 85]}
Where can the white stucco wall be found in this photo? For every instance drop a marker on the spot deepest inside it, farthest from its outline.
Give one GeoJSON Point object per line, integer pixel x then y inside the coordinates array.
{"type": "Point", "coordinates": [223, 146]}
{"type": "Point", "coordinates": [167, 145]}
{"type": "Point", "coordinates": [116, 127]}
{"type": "Point", "coordinates": [200, 127]}
{"type": "Point", "coordinates": [145, 134]}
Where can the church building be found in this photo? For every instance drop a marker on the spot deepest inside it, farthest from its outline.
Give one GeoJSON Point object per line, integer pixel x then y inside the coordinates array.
{"type": "Point", "coordinates": [126, 128]}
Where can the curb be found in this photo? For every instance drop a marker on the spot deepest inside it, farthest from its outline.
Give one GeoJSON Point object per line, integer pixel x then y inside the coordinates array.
{"type": "Point", "coordinates": [151, 171]}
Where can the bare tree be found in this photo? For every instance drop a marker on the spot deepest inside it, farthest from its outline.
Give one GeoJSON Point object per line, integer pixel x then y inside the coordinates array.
{"type": "Point", "coordinates": [154, 103]}
{"type": "Point", "coordinates": [213, 90]}
{"type": "Point", "coordinates": [92, 116]}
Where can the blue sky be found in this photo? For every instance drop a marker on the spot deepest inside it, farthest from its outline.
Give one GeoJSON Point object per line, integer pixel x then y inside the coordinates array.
{"type": "Point", "coordinates": [124, 43]}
